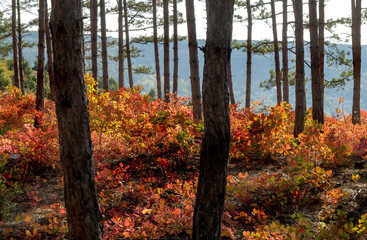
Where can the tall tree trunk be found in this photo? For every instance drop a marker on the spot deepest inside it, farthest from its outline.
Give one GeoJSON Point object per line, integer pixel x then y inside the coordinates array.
{"type": "Point", "coordinates": [300, 110]}
{"type": "Point", "coordinates": [322, 46]}
{"type": "Point", "coordinates": [83, 213]}
{"type": "Point", "coordinates": [317, 106]}
{"type": "Point", "coordinates": [166, 50]}
{"type": "Point", "coordinates": [249, 55]}
{"type": "Point", "coordinates": [94, 36]}
{"type": "Point", "coordinates": [356, 49]}
{"type": "Point", "coordinates": [104, 45]}
{"type": "Point", "coordinates": [128, 53]}
{"type": "Point", "coordinates": [285, 52]}
{"type": "Point", "coordinates": [41, 61]}
{"type": "Point", "coordinates": [20, 58]}
{"type": "Point", "coordinates": [156, 50]}
{"type": "Point", "coordinates": [14, 37]}
{"type": "Point", "coordinates": [175, 49]}
{"type": "Point", "coordinates": [215, 147]}
{"type": "Point", "coordinates": [194, 62]}
{"type": "Point", "coordinates": [51, 72]}
{"type": "Point", "coordinates": [121, 46]}
{"type": "Point", "coordinates": [276, 54]}
{"type": "Point", "coordinates": [230, 84]}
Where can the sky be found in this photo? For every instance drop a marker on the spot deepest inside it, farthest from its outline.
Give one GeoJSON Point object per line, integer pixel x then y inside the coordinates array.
{"type": "Point", "coordinates": [261, 29]}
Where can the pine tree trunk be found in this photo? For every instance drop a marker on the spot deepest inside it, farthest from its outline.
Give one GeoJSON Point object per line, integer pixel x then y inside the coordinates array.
{"type": "Point", "coordinates": [121, 46]}
{"type": "Point", "coordinates": [20, 58]}
{"type": "Point", "coordinates": [175, 49]}
{"type": "Point", "coordinates": [215, 146]}
{"type": "Point", "coordinates": [156, 50]}
{"type": "Point", "coordinates": [104, 45]}
{"type": "Point", "coordinates": [51, 72]}
{"type": "Point", "coordinates": [356, 49]}
{"type": "Point", "coordinates": [14, 37]}
{"type": "Point", "coordinates": [128, 53]}
{"type": "Point", "coordinates": [300, 110]}
{"type": "Point", "coordinates": [285, 52]}
{"type": "Point", "coordinates": [94, 36]}
{"type": "Point", "coordinates": [83, 213]}
{"type": "Point", "coordinates": [166, 51]}
{"type": "Point", "coordinates": [249, 55]}
{"type": "Point", "coordinates": [230, 84]}
{"type": "Point", "coordinates": [317, 106]}
{"type": "Point", "coordinates": [322, 46]}
{"type": "Point", "coordinates": [194, 62]}
{"type": "Point", "coordinates": [41, 61]}
{"type": "Point", "coordinates": [276, 54]}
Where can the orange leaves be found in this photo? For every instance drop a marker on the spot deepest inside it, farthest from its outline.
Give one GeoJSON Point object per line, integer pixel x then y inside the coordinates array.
{"type": "Point", "coordinates": [240, 175]}
{"type": "Point", "coordinates": [255, 135]}
{"type": "Point", "coordinates": [16, 108]}
{"type": "Point", "coordinates": [177, 211]}
{"type": "Point", "coordinates": [138, 143]}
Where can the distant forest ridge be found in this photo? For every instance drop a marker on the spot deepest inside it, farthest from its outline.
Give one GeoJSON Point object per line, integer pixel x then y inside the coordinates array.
{"type": "Point", "coordinates": [261, 64]}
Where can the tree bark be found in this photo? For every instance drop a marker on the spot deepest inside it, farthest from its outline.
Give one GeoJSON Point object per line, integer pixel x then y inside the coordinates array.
{"type": "Point", "coordinates": [194, 62]}
{"type": "Point", "coordinates": [83, 213]}
{"type": "Point", "coordinates": [285, 52]}
{"type": "Point", "coordinates": [322, 46]}
{"type": "Point", "coordinates": [356, 49]}
{"type": "Point", "coordinates": [104, 45]}
{"type": "Point", "coordinates": [249, 55]}
{"type": "Point", "coordinates": [51, 72]}
{"type": "Point", "coordinates": [121, 45]}
{"type": "Point", "coordinates": [276, 54]}
{"type": "Point", "coordinates": [175, 49]}
{"type": "Point", "coordinates": [128, 53]}
{"type": "Point", "coordinates": [94, 37]}
{"type": "Point", "coordinates": [300, 110]}
{"type": "Point", "coordinates": [14, 37]}
{"type": "Point", "coordinates": [317, 105]}
{"type": "Point", "coordinates": [215, 146]}
{"type": "Point", "coordinates": [166, 51]}
{"type": "Point", "coordinates": [41, 61]}
{"type": "Point", "coordinates": [230, 84]}
{"type": "Point", "coordinates": [156, 50]}
{"type": "Point", "coordinates": [20, 58]}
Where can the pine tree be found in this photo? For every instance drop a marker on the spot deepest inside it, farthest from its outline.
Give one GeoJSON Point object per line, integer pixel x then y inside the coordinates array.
{"type": "Point", "coordinates": [215, 146]}
{"type": "Point", "coordinates": [356, 48]}
{"type": "Point", "coordinates": [104, 45]}
{"type": "Point", "coordinates": [41, 61]}
{"type": "Point", "coordinates": [83, 213]}
{"type": "Point", "coordinates": [194, 62]}
{"type": "Point", "coordinates": [300, 109]}
{"type": "Point", "coordinates": [166, 50]}
{"type": "Point", "coordinates": [249, 54]}
{"type": "Point", "coordinates": [15, 49]}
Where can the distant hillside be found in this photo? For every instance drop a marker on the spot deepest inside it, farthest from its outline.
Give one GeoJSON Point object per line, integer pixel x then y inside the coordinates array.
{"type": "Point", "coordinates": [260, 71]}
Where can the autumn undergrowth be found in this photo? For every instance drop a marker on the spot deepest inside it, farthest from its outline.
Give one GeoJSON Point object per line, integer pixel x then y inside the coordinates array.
{"type": "Point", "coordinates": [146, 158]}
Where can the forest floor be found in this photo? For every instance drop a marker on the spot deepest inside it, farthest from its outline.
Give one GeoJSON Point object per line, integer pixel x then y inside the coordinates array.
{"type": "Point", "coordinates": [32, 204]}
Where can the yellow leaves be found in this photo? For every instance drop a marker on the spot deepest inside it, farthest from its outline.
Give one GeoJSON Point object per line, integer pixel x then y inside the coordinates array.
{"type": "Point", "coordinates": [146, 211]}
{"type": "Point", "coordinates": [355, 177]}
